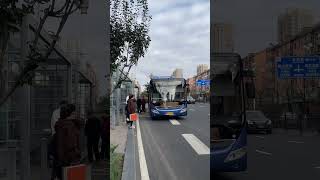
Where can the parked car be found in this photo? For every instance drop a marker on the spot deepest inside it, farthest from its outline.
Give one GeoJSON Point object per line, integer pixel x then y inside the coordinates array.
{"type": "Point", "coordinates": [257, 121]}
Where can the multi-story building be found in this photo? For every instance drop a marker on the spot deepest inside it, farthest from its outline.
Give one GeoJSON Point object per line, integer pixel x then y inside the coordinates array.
{"type": "Point", "coordinates": [292, 22]}
{"type": "Point", "coordinates": [222, 38]}
{"type": "Point", "coordinates": [177, 73]}
{"type": "Point", "coordinates": [263, 63]}
{"type": "Point", "coordinates": [202, 68]}
{"type": "Point", "coordinates": [192, 85]}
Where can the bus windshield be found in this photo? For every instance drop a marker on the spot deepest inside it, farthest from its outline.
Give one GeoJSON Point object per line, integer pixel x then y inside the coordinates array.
{"type": "Point", "coordinates": [167, 91]}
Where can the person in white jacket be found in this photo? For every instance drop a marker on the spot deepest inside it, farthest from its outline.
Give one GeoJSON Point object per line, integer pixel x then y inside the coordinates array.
{"type": "Point", "coordinates": [56, 115]}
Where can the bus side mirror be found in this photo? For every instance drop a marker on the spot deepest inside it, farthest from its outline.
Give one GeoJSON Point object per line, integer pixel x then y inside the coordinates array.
{"type": "Point", "coordinates": [250, 90]}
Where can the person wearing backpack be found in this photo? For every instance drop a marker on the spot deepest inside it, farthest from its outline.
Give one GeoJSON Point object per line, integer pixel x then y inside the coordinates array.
{"type": "Point", "coordinates": [67, 140]}
{"type": "Point", "coordinates": [93, 132]}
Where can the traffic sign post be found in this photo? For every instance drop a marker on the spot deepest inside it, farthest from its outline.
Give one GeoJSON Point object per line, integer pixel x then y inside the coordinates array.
{"type": "Point", "coordinates": [203, 82]}
{"type": "Point", "coordinates": [298, 67]}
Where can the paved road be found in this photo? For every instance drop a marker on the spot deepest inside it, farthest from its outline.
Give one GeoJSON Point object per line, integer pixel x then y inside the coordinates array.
{"type": "Point", "coordinates": [280, 156]}
{"type": "Point", "coordinates": [177, 149]}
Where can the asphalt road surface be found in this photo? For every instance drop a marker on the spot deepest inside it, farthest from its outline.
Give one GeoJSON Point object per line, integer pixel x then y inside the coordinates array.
{"type": "Point", "coordinates": [280, 156]}
{"type": "Point", "coordinates": [175, 149]}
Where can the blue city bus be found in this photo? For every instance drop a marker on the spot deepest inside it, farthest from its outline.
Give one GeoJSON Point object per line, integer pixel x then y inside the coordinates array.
{"type": "Point", "coordinates": [228, 119]}
{"type": "Point", "coordinates": [167, 97]}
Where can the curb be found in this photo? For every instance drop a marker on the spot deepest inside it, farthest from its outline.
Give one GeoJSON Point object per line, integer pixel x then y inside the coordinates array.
{"type": "Point", "coordinates": [128, 170]}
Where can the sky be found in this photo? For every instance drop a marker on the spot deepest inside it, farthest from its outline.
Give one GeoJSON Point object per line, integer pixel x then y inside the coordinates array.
{"type": "Point", "coordinates": [255, 21]}
{"type": "Point", "coordinates": [180, 38]}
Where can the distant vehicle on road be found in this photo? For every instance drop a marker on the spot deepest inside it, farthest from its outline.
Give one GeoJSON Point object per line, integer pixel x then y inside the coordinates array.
{"type": "Point", "coordinates": [165, 95]}
{"type": "Point", "coordinates": [257, 121]}
{"type": "Point", "coordinates": [190, 100]}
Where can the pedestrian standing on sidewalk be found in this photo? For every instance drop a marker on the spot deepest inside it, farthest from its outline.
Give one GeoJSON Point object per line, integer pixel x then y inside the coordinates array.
{"type": "Point", "coordinates": [67, 135]}
{"type": "Point", "coordinates": [93, 133]}
{"type": "Point", "coordinates": [143, 103]}
{"type": "Point", "coordinates": [132, 106]}
{"type": "Point", "coordinates": [105, 134]}
{"type": "Point", "coordinates": [139, 104]}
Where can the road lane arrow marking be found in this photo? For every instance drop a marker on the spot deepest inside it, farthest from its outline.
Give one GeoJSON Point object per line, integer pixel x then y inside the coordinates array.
{"type": "Point", "coordinates": [174, 122]}
{"type": "Point", "coordinates": [196, 144]}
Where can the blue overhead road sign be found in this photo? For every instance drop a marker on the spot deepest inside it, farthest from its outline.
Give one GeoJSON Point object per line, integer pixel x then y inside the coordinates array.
{"type": "Point", "coordinates": [298, 67]}
{"type": "Point", "coordinates": [203, 82]}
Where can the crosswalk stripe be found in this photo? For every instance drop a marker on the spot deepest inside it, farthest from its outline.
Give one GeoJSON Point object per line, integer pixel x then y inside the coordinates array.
{"type": "Point", "coordinates": [196, 144]}
{"type": "Point", "coordinates": [174, 122]}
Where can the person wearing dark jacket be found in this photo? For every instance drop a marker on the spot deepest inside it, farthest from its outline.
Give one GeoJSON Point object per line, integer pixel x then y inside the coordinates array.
{"type": "Point", "coordinates": [143, 103]}
{"type": "Point", "coordinates": [131, 108]}
{"type": "Point", "coordinates": [93, 132]}
{"type": "Point", "coordinates": [139, 103]}
{"type": "Point", "coordinates": [67, 140]}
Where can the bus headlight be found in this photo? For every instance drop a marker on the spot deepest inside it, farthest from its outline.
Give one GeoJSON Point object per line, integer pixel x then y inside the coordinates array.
{"type": "Point", "coordinates": [154, 111]}
{"type": "Point", "coordinates": [183, 110]}
{"type": "Point", "coordinates": [236, 154]}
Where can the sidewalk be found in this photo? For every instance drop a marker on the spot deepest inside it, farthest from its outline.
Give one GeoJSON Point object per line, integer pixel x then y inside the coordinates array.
{"type": "Point", "coordinates": [118, 136]}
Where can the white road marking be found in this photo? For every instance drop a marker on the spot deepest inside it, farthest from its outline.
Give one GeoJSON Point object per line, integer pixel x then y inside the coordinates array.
{"type": "Point", "coordinates": [263, 152]}
{"type": "Point", "coordinates": [317, 167]}
{"type": "Point", "coordinates": [196, 144]}
{"type": "Point", "coordinates": [142, 158]}
{"type": "Point", "coordinates": [191, 109]}
{"type": "Point", "coordinates": [261, 137]}
{"type": "Point", "coordinates": [298, 142]}
{"type": "Point", "coordinates": [174, 122]}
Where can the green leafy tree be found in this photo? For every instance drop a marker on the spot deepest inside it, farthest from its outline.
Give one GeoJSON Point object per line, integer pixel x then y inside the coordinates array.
{"type": "Point", "coordinates": [129, 38]}
{"type": "Point", "coordinates": [12, 12]}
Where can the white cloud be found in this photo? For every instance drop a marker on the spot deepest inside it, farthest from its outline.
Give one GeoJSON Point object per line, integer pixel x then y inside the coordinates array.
{"type": "Point", "coordinates": [180, 34]}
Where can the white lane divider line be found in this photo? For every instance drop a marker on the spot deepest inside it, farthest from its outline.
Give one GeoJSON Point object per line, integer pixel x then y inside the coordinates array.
{"type": "Point", "coordinates": [263, 152]}
{"type": "Point", "coordinates": [261, 137]}
{"type": "Point", "coordinates": [191, 109]}
{"type": "Point", "coordinates": [142, 158]}
{"type": "Point", "coordinates": [297, 142]}
{"type": "Point", "coordinates": [174, 122]}
{"type": "Point", "coordinates": [196, 144]}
